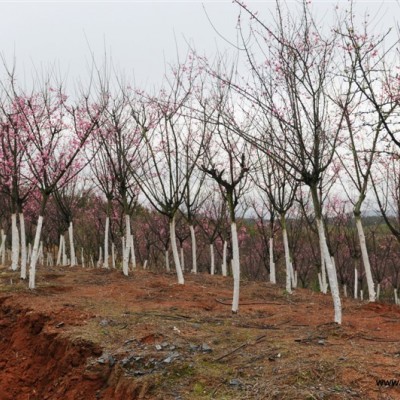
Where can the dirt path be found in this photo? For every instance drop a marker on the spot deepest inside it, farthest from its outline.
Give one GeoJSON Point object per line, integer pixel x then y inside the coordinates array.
{"type": "Point", "coordinates": [94, 334]}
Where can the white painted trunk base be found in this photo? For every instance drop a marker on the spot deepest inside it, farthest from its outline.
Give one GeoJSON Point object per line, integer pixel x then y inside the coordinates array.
{"type": "Point", "coordinates": [365, 258]}
{"type": "Point", "coordinates": [182, 259]}
{"type": "Point", "coordinates": [332, 277]}
{"type": "Point", "coordinates": [167, 267]}
{"type": "Point", "coordinates": [181, 279]}
{"type": "Point", "coordinates": [106, 232]}
{"type": "Point", "coordinates": [14, 243]}
{"type": "Point", "coordinates": [355, 283]}
{"type": "Point", "coordinates": [272, 270]}
{"type": "Point", "coordinates": [71, 245]}
{"type": "Point", "coordinates": [194, 249]}
{"type": "Point", "coordinates": [212, 260]}
{"type": "Point", "coordinates": [224, 267]}
{"type": "Point", "coordinates": [24, 255]}
{"type": "Point", "coordinates": [35, 254]}
{"type": "Point", "coordinates": [235, 268]}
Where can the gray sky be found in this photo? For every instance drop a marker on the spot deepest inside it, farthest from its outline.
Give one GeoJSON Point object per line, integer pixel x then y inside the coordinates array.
{"type": "Point", "coordinates": [140, 36]}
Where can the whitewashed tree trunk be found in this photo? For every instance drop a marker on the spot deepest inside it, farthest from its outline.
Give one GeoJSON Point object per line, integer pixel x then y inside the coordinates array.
{"type": "Point", "coordinates": [175, 254]}
{"type": "Point", "coordinates": [396, 298]}
{"type": "Point", "coordinates": [212, 259]}
{"type": "Point", "coordinates": [345, 290]}
{"type": "Point", "coordinates": [294, 282]}
{"type": "Point", "coordinates": [14, 243]}
{"type": "Point", "coordinates": [355, 283]}
{"type": "Point", "coordinates": [365, 258]}
{"type": "Point", "coordinates": [145, 264]}
{"type": "Point", "coordinates": [3, 247]}
{"type": "Point", "coordinates": [133, 257]}
{"type": "Point", "coordinates": [321, 285]}
{"type": "Point", "coordinates": [224, 264]}
{"type": "Point", "coordinates": [29, 252]}
{"type": "Point", "coordinates": [23, 246]}
{"type": "Point", "coordinates": [113, 254]}
{"type": "Point", "coordinates": [378, 291]}
{"type": "Point", "coordinates": [287, 258]}
{"type": "Point", "coordinates": [182, 258]}
{"type": "Point", "coordinates": [361, 295]}
{"type": "Point", "coordinates": [235, 268]}
{"type": "Point", "coordinates": [100, 260]}
{"type": "Point", "coordinates": [64, 253]}
{"type": "Point", "coordinates": [35, 254]}
{"type": "Point", "coordinates": [41, 253]}
{"type": "Point", "coordinates": [125, 258]}
{"type": "Point", "coordinates": [126, 247]}
{"type": "Point", "coordinates": [332, 277]}
{"type": "Point", "coordinates": [58, 262]}
{"type": "Point", "coordinates": [106, 230]}
{"type": "Point", "coordinates": [324, 284]}
{"type": "Point", "coordinates": [71, 245]}
{"type": "Point", "coordinates": [91, 261]}
{"type": "Point", "coordinates": [82, 258]}
{"type": "Point", "coordinates": [167, 261]}
{"type": "Point", "coordinates": [272, 271]}
{"type": "Point", "coordinates": [194, 249]}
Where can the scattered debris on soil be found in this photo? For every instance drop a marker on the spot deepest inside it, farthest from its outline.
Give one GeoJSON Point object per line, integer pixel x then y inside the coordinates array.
{"type": "Point", "coordinates": [95, 334]}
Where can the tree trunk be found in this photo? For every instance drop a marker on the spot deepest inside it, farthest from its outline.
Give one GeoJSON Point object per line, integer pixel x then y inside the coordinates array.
{"type": "Point", "coordinates": [126, 246]}
{"type": "Point", "coordinates": [64, 254]}
{"type": "Point", "coordinates": [378, 291]}
{"type": "Point", "coordinates": [35, 254]}
{"type": "Point", "coordinates": [3, 247]}
{"type": "Point", "coordinates": [71, 245]}
{"type": "Point", "coordinates": [113, 254]}
{"type": "Point", "coordinates": [272, 272]}
{"type": "Point", "coordinates": [100, 260]}
{"type": "Point", "coordinates": [324, 284]}
{"type": "Point", "coordinates": [174, 247]}
{"type": "Point", "coordinates": [14, 243]}
{"type": "Point", "coordinates": [125, 257]}
{"type": "Point", "coordinates": [365, 258]}
{"type": "Point", "coordinates": [23, 246]}
{"type": "Point", "coordinates": [167, 261]}
{"type": "Point", "coordinates": [194, 249]}
{"type": "Point", "coordinates": [287, 255]}
{"type": "Point", "coordinates": [106, 229]}
{"type": "Point", "coordinates": [224, 264]}
{"type": "Point", "coordinates": [212, 259]}
{"type": "Point", "coordinates": [82, 258]}
{"type": "Point", "coordinates": [333, 282]}
{"type": "Point", "coordinates": [60, 251]}
{"type": "Point", "coordinates": [182, 259]}
{"type": "Point", "coordinates": [133, 257]}
{"type": "Point", "coordinates": [235, 268]}
{"type": "Point", "coordinates": [355, 283]}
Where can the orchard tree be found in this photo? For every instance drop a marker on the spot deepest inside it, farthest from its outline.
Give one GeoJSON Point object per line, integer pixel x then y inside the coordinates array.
{"type": "Point", "coordinates": [226, 159]}
{"type": "Point", "coordinates": [280, 188]}
{"type": "Point", "coordinates": [291, 86]}
{"type": "Point", "coordinates": [164, 172]}
{"type": "Point", "coordinates": [56, 132]}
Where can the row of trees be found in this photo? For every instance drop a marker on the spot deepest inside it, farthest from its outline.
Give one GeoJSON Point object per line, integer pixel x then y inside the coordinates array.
{"type": "Point", "coordinates": [315, 112]}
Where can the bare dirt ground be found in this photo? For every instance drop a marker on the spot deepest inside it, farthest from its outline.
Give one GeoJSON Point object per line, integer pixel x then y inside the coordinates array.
{"type": "Point", "coordinates": [94, 334]}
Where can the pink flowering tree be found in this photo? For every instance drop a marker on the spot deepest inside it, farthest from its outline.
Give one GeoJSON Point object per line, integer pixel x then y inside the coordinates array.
{"type": "Point", "coordinates": [15, 179]}
{"type": "Point", "coordinates": [56, 131]}
{"type": "Point", "coordinates": [164, 170]}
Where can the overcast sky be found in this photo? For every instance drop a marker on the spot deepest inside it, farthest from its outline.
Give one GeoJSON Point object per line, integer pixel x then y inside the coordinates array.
{"type": "Point", "coordinates": [140, 36]}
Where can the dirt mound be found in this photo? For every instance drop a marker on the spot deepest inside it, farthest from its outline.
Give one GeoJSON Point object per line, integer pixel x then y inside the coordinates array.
{"type": "Point", "coordinates": [94, 334]}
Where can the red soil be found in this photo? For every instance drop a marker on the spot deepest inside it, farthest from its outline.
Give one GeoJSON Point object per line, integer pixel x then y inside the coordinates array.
{"type": "Point", "coordinates": [94, 334]}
